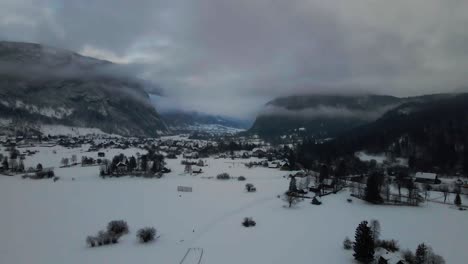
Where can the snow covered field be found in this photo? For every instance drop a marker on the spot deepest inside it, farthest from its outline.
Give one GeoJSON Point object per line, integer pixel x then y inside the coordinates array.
{"type": "Point", "coordinates": [47, 222]}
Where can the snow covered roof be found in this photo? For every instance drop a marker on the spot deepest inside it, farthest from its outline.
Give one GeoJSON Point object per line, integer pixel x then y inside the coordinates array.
{"type": "Point", "coordinates": [389, 257]}
{"type": "Point", "coordinates": [426, 175]}
{"type": "Point", "coordinates": [121, 164]}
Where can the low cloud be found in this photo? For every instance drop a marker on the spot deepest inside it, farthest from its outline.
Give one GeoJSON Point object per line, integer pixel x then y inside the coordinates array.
{"type": "Point", "coordinates": [322, 111]}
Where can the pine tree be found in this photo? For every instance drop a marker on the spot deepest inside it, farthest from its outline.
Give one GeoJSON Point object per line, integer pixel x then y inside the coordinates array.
{"type": "Point", "coordinates": [323, 173]}
{"type": "Point", "coordinates": [5, 164]}
{"type": "Point", "coordinates": [421, 254]}
{"type": "Point", "coordinates": [458, 201]}
{"type": "Point", "coordinates": [292, 184]}
{"type": "Point", "coordinates": [372, 189]}
{"type": "Point", "coordinates": [132, 164]}
{"type": "Point", "coordinates": [364, 243]}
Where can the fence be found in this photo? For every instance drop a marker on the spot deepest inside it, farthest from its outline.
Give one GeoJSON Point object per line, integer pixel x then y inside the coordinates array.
{"type": "Point", "coordinates": [184, 189]}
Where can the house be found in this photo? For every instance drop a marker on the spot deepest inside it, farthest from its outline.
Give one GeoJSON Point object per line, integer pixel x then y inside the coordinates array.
{"type": "Point", "coordinates": [426, 177]}
{"type": "Point", "coordinates": [101, 154]}
{"type": "Point", "coordinates": [285, 167]}
{"type": "Point", "coordinates": [328, 183]}
{"type": "Point", "coordinates": [258, 152]}
{"type": "Point", "coordinates": [383, 256]}
{"type": "Point", "coordinates": [121, 167]}
{"type": "Point", "coordinates": [273, 165]}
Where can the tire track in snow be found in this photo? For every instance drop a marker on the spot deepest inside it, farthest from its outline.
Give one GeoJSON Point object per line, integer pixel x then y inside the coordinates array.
{"type": "Point", "coordinates": [207, 227]}
{"type": "Point", "coordinates": [193, 256]}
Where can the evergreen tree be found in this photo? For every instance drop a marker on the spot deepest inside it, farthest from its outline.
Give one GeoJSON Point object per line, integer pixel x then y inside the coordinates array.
{"type": "Point", "coordinates": [144, 163]}
{"type": "Point", "coordinates": [323, 173]}
{"type": "Point", "coordinates": [292, 184]}
{"type": "Point", "coordinates": [156, 166]}
{"type": "Point", "coordinates": [364, 243]}
{"type": "Point", "coordinates": [5, 164]}
{"type": "Point", "coordinates": [291, 159]}
{"type": "Point", "coordinates": [458, 201]}
{"type": "Point", "coordinates": [421, 254]}
{"type": "Point", "coordinates": [372, 189]}
{"type": "Point", "coordinates": [21, 165]}
{"type": "Point", "coordinates": [132, 163]}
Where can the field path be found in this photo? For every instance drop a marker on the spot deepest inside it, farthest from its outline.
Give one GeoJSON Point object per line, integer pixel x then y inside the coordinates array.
{"type": "Point", "coordinates": [207, 227]}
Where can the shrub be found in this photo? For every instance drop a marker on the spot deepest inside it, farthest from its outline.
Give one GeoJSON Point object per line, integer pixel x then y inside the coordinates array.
{"type": "Point", "coordinates": [103, 238]}
{"type": "Point", "coordinates": [347, 244]}
{"type": "Point", "coordinates": [223, 176]}
{"type": "Point", "coordinates": [241, 178]}
{"type": "Point", "coordinates": [91, 241]}
{"type": "Point", "coordinates": [146, 234]}
{"type": "Point", "coordinates": [117, 227]}
{"type": "Point", "coordinates": [250, 187]}
{"type": "Point", "coordinates": [248, 222]}
{"type": "Point", "coordinates": [390, 245]}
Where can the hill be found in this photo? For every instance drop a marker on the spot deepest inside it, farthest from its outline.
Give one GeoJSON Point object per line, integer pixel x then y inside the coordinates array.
{"type": "Point", "coordinates": [320, 116]}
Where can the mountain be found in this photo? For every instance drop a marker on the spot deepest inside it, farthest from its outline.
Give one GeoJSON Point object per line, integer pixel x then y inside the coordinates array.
{"type": "Point", "coordinates": [431, 131]}
{"type": "Point", "coordinates": [44, 86]}
{"type": "Point", "coordinates": [320, 116]}
{"type": "Point", "coordinates": [191, 121]}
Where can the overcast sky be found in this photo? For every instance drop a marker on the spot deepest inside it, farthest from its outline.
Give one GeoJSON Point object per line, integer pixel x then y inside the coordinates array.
{"type": "Point", "coordinates": [231, 56]}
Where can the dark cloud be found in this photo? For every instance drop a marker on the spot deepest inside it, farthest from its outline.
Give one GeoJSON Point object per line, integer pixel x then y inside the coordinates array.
{"type": "Point", "coordinates": [230, 57]}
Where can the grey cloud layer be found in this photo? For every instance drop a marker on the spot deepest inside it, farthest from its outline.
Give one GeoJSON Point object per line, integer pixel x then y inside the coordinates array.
{"type": "Point", "coordinates": [322, 111]}
{"type": "Point", "coordinates": [223, 55]}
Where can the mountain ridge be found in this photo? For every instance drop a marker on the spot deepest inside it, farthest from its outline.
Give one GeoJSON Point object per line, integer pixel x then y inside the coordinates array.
{"type": "Point", "coordinates": [44, 85]}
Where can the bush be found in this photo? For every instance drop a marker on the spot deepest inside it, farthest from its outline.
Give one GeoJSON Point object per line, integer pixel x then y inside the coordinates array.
{"type": "Point", "coordinates": [248, 222]}
{"type": "Point", "coordinates": [250, 187]}
{"type": "Point", "coordinates": [347, 244]}
{"type": "Point", "coordinates": [146, 234]}
{"type": "Point", "coordinates": [117, 227]}
{"type": "Point", "coordinates": [102, 238]}
{"type": "Point", "coordinates": [91, 241]}
{"type": "Point", "coordinates": [223, 176]}
{"type": "Point", "coordinates": [241, 178]}
{"type": "Point", "coordinates": [390, 245]}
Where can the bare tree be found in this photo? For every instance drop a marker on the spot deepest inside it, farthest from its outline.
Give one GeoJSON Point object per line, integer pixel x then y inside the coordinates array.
{"type": "Point", "coordinates": [375, 228]}
{"type": "Point", "coordinates": [445, 190]}
{"type": "Point", "coordinates": [65, 161]}
{"type": "Point", "coordinates": [427, 189]}
{"type": "Point", "coordinates": [290, 199]}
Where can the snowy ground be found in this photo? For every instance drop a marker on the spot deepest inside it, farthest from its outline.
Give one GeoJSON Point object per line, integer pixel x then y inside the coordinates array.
{"type": "Point", "coordinates": [47, 222]}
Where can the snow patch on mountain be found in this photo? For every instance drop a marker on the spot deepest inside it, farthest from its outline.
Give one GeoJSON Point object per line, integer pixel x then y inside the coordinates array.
{"type": "Point", "coordinates": [57, 130]}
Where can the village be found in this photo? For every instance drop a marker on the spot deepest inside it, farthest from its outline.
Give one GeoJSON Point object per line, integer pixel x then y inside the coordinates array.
{"type": "Point", "coordinates": [187, 169]}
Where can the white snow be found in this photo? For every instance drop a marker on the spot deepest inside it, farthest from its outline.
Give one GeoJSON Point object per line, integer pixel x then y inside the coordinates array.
{"type": "Point", "coordinates": [55, 130]}
{"type": "Point", "coordinates": [379, 158]}
{"type": "Point", "coordinates": [58, 112]}
{"type": "Point", "coordinates": [209, 128]}
{"type": "Point", "coordinates": [43, 222]}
